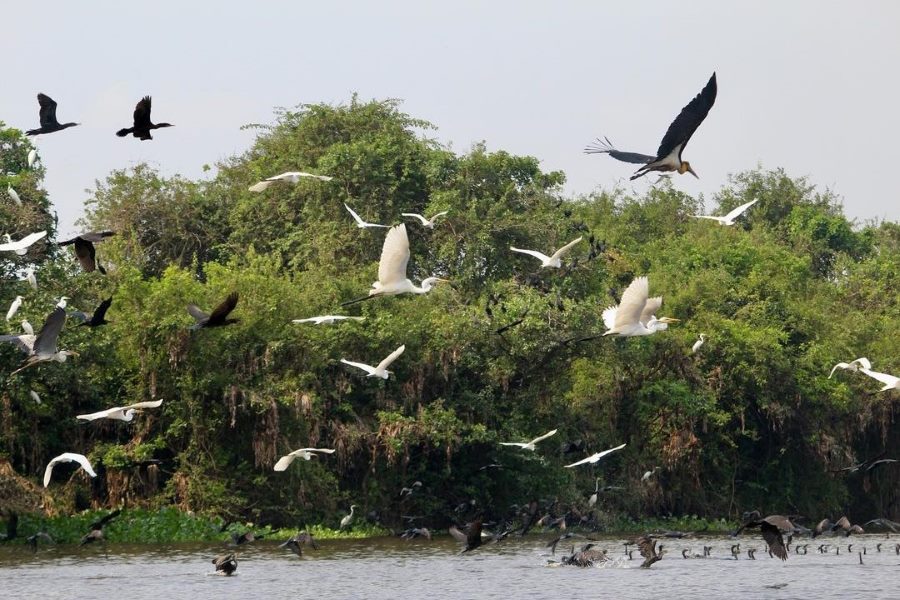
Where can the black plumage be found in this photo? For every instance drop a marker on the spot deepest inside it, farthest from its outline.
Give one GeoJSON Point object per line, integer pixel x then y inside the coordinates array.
{"type": "Point", "coordinates": [99, 317]}
{"type": "Point", "coordinates": [96, 532]}
{"type": "Point", "coordinates": [49, 124]}
{"type": "Point", "coordinates": [142, 123]}
{"type": "Point", "coordinates": [226, 563]}
{"type": "Point", "coordinates": [472, 537]}
{"type": "Point", "coordinates": [604, 146]}
{"type": "Point", "coordinates": [85, 251]}
{"type": "Point", "coordinates": [218, 317]}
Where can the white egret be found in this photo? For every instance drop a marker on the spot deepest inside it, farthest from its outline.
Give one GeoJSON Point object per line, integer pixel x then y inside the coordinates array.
{"type": "Point", "coordinates": [593, 458]}
{"type": "Point", "coordinates": [44, 345]}
{"type": "Point", "coordinates": [890, 382]}
{"type": "Point", "coordinates": [35, 396]}
{"type": "Point", "coordinates": [62, 301]}
{"type": "Point", "coordinates": [730, 217]}
{"type": "Point", "coordinates": [327, 319]}
{"type": "Point", "coordinates": [593, 499]}
{"type": "Point", "coordinates": [554, 260]}
{"type": "Point", "coordinates": [305, 453]}
{"type": "Point", "coordinates": [32, 157]}
{"type": "Point", "coordinates": [68, 457]}
{"type": "Point", "coordinates": [698, 343]}
{"type": "Point", "coordinates": [348, 520]}
{"type": "Point", "coordinates": [648, 474]}
{"type": "Point", "coordinates": [635, 314]}
{"type": "Point", "coordinates": [290, 177]}
{"type": "Point", "coordinates": [121, 413]}
{"type": "Point", "coordinates": [429, 223]}
{"type": "Point", "coordinates": [392, 269]}
{"type": "Point", "coordinates": [27, 328]}
{"type": "Point", "coordinates": [529, 445]}
{"type": "Point", "coordinates": [20, 247]}
{"type": "Point", "coordinates": [363, 224]}
{"type": "Point", "coordinates": [30, 278]}
{"type": "Point", "coordinates": [853, 365]}
{"type": "Point", "coordinates": [14, 307]}
{"type": "Point", "coordinates": [14, 196]}
{"type": "Point", "coordinates": [381, 369]}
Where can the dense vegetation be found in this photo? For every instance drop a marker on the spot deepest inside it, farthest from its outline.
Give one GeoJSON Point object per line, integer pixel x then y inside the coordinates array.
{"type": "Point", "coordinates": [504, 353]}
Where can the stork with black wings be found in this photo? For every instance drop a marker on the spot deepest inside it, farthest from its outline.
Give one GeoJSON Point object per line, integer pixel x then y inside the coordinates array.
{"type": "Point", "coordinates": [219, 315]}
{"type": "Point", "coordinates": [49, 124]}
{"type": "Point", "coordinates": [668, 156]}
{"type": "Point", "coordinates": [142, 123]}
{"type": "Point", "coordinates": [85, 251]}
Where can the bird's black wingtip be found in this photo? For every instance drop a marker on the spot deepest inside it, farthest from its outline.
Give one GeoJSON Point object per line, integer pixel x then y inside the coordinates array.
{"type": "Point", "coordinates": [123, 132]}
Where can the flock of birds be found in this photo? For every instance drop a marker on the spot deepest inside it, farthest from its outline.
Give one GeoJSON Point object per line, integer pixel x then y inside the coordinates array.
{"type": "Point", "coordinates": [635, 315]}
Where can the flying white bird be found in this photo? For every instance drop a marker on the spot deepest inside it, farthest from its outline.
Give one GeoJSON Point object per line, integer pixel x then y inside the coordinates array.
{"type": "Point", "coordinates": [30, 278]}
{"type": "Point", "coordinates": [730, 217]}
{"type": "Point", "coordinates": [429, 223]}
{"type": "Point", "coordinates": [363, 224]}
{"type": "Point", "coordinates": [636, 313]}
{"type": "Point", "coordinates": [35, 396]}
{"type": "Point", "coordinates": [27, 328]}
{"type": "Point", "coordinates": [120, 413]}
{"type": "Point", "coordinates": [529, 445]}
{"type": "Point", "coordinates": [327, 319]}
{"type": "Point", "coordinates": [68, 457]}
{"type": "Point", "coordinates": [13, 194]}
{"type": "Point", "coordinates": [890, 382]}
{"type": "Point", "coordinates": [381, 369]}
{"type": "Point", "coordinates": [698, 343]}
{"type": "Point", "coordinates": [555, 260]}
{"type": "Point", "coordinates": [20, 247]}
{"type": "Point", "coordinates": [290, 177]}
{"type": "Point", "coordinates": [32, 157]}
{"type": "Point", "coordinates": [14, 308]}
{"type": "Point", "coordinates": [593, 458]}
{"type": "Point", "coordinates": [305, 453]}
{"type": "Point", "coordinates": [392, 269]}
{"type": "Point", "coordinates": [853, 365]}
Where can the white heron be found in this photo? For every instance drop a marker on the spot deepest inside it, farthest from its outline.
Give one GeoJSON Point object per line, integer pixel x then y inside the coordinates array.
{"type": "Point", "coordinates": [853, 365]}
{"type": "Point", "coordinates": [392, 269]}
{"type": "Point", "coordinates": [363, 224]}
{"type": "Point", "coordinates": [635, 314]}
{"type": "Point", "coordinates": [730, 217]}
{"type": "Point", "coordinates": [121, 413]}
{"type": "Point", "coordinates": [348, 520]}
{"type": "Point", "coordinates": [593, 499]}
{"type": "Point", "coordinates": [32, 157]}
{"type": "Point", "coordinates": [27, 328]}
{"type": "Point", "coordinates": [20, 247]}
{"type": "Point", "coordinates": [14, 307]}
{"type": "Point", "coordinates": [554, 260]}
{"type": "Point", "coordinates": [648, 474]}
{"type": "Point", "coordinates": [529, 445]}
{"type": "Point", "coordinates": [890, 382]}
{"type": "Point", "coordinates": [62, 301]}
{"type": "Point", "coordinates": [327, 319]}
{"type": "Point", "coordinates": [593, 458]}
{"type": "Point", "coordinates": [429, 223]}
{"type": "Point", "coordinates": [14, 196]}
{"type": "Point", "coordinates": [290, 177]}
{"type": "Point", "coordinates": [381, 369]}
{"type": "Point", "coordinates": [43, 347]}
{"type": "Point", "coordinates": [698, 343]}
{"type": "Point", "coordinates": [30, 278]}
{"type": "Point", "coordinates": [35, 396]}
{"type": "Point", "coordinates": [305, 453]}
{"type": "Point", "coordinates": [68, 457]}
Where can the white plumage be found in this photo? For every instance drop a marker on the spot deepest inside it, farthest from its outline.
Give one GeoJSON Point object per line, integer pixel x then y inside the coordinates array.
{"type": "Point", "coordinates": [13, 194]}
{"type": "Point", "coordinates": [305, 453]}
{"type": "Point", "coordinates": [20, 247]}
{"type": "Point", "coordinates": [14, 307]}
{"type": "Point", "coordinates": [554, 260]}
{"type": "Point", "coordinates": [429, 223]}
{"type": "Point", "coordinates": [68, 457]}
{"type": "Point", "coordinates": [363, 224]}
{"type": "Point", "coordinates": [636, 313]}
{"type": "Point", "coordinates": [290, 176]}
{"type": "Point", "coordinates": [730, 217]}
{"type": "Point", "coordinates": [853, 365]}
{"type": "Point", "coordinates": [120, 413]}
{"type": "Point", "coordinates": [327, 319]}
{"type": "Point", "coordinates": [381, 369]}
{"type": "Point", "coordinates": [593, 458]}
{"type": "Point", "coordinates": [529, 445]}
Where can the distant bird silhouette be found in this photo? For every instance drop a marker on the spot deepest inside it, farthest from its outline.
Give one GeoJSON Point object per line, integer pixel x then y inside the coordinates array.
{"type": "Point", "coordinates": [472, 537]}
{"type": "Point", "coordinates": [239, 539]}
{"type": "Point", "coordinates": [85, 251]}
{"type": "Point", "coordinates": [218, 317]}
{"type": "Point", "coordinates": [226, 564]}
{"type": "Point", "coordinates": [649, 551]}
{"type": "Point", "coordinates": [96, 532]}
{"type": "Point", "coordinates": [414, 532]}
{"type": "Point", "coordinates": [142, 123]}
{"type": "Point", "coordinates": [884, 524]}
{"type": "Point", "coordinates": [296, 543]}
{"type": "Point", "coordinates": [49, 124]}
{"type": "Point", "coordinates": [96, 319]}
{"type": "Point", "coordinates": [33, 540]}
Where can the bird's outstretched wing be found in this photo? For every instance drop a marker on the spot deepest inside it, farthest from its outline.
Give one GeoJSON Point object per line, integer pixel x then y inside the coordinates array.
{"type": "Point", "coordinates": [100, 313]}
{"type": "Point", "coordinates": [48, 110]}
{"type": "Point", "coordinates": [650, 309]}
{"type": "Point", "coordinates": [142, 405]}
{"type": "Point", "coordinates": [772, 535]}
{"type": "Point", "coordinates": [687, 121]}
{"type": "Point", "coordinates": [94, 236]}
{"type": "Point", "coordinates": [25, 242]}
{"type": "Point", "coordinates": [646, 546]}
{"type": "Point", "coordinates": [595, 457]}
{"type": "Point", "coordinates": [142, 113]}
{"type": "Point", "coordinates": [889, 381]}
{"type": "Point", "coordinates": [633, 301]}
{"type": "Point", "coordinates": [394, 256]}
{"type": "Point", "coordinates": [416, 215]}
{"type": "Point", "coordinates": [390, 358]}
{"type": "Point", "coordinates": [356, 217]}
{"type": "Point", "coordinates": [198, 314]}
{"type": "Point", "coordinates": [559, 253]}
{"type": "Point", "coordinates": [735, 213]}
{"type": "Point", "coordinates": [604, 146]}
{"type": "Point", "coordinates": [543, 437]}
{"type": "Point", "coordinates": [101, 522]}
{"type": "Point", "coordinates": [538, 255]}
{"type": "Point", "coordinates": [285, 461]}
{"type": "Point", "coordinates": [519, 444]}
{"type": "Point", "coordinates": [46, 340]}
{"type": "Point", "coordinates": [25, 342]}
{"type": "Point", "coordinates": [456, 534]}
{"type": "Point", "coordinates": [367, 368]}
{"type": "Point", "coordinates": [68, 457]}
{"type": "Point", "coordinates": [222, 310]}
{"type": "Point", "coordinates": [259, 186]}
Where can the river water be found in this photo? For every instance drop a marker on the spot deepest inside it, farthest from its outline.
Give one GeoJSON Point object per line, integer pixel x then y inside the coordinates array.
{"type": "Point", "coordinates": [392, 568]}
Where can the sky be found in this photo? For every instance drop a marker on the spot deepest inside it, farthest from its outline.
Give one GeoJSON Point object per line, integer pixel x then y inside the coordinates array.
{"type": "Point", "coordinates": [809, 86]}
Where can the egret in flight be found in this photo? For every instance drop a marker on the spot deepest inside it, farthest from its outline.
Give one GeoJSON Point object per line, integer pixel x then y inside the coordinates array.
{"type": "Point", "coordinates": [853, 365]}
{"type": "Point", "coordinates": [290, 177]}
{"type": "Point", "coordinates": [142, 123]}
{"type": "Point", "coordinates": [68, 457]}
{"type": "Point", "coordinates": [327, 319]}
{"type": "Point", "coordinates": [392, 269]}
{"type": "Point", "coordinates": [890, 382]}
{"type": "Point", "coordinates": [44, 347]}
{"type": "Point", "coordinates": [14, 196]}
{"type": "Point", "coordinates": [381, 369]}
{"type": "Point", "coordinates": [305, 453]}
{"type": "Point", "coordinates": [730, 217]}
{"type": "Point", "coordinates": [20, 247]}
{"type": "Point", "coordinates": [363, 224]}
{"type": "Point", "coordinates": [554, 260]}
{"type": "Point", "coordinates": [529, 445]}
{"type": "Point", "coordinates": [14, 307]}
{"type": "Point", "coordinates": [429, 223]}
{"type": "Point", "coordinates": [49, 124]}
{"type": "Point", "coordinates": [593, 458]}
{"type": "Point", "coordinates": [668, 156]}
{"type": "Point", "coordinates": [635, 314]}
{"type": "Point", "coordinates": [121, 413]}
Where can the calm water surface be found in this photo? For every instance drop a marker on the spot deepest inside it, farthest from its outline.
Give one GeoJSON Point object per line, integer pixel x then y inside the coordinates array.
{"type": "Point", "coordinates": [393, 568]}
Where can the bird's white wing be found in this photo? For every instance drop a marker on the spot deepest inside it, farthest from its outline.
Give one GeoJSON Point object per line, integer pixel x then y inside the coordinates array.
{"type": "Point", "coordinates": [315, 320]}
{"type": "Point", "coordinates": [284, 462]}
{"type": "Point", "coordinates": [149, 404]}
{"type": "Point", "coordinates": [390, 358]}
{"type": "Point", "coordinates": [710, 217]}
{"type": "Point", "coordinates": [418, 216]}
{"type": "Point", "coordinates": [25, 342]}
{"type": "Point", "coordinates": [519, 444]}
{"type": "Point", "coordinates": [103, 414]}
{"type": "Point", "coordinates": [259, 187]}
{"type": "Point", "coordinates": [609, 317]}
{"type": "Point", "coordinates": [737, 211]}
{"type": "Point", "coordinates": [25, 242]}
{"type": "Point", "coordinates": [650, 309]}
{"type": "Point", "coordinates": [440, 214]}
{"type": "Point", "coordinates": [840, 365]}
{"type": "Point", "coordinates": [356, 218]}
{"type": "Point", "coordinates": [582, 461]}
{"type": "Point", "coordinates": [394, 256]}
{"type": "Point", "coordinates": [322, 450]}
{"type": "Point", "coordinates": [367, 368]}
{"type": "Point", "coordinates": [862, 362]}
{"type": "Point", "coordinates": [538, 255]}
{"type": "Point", "coordinates": [633, 300]}
{"type": "Point", "coordinates": [13, 194]}
{"type": "Point", "coordinates": [559, 253]}
{"type": "Point", "coordinates": [595, 457]}
{"type": "Point", "coordinates": [889, 381]}
{"type": "Point", "coordinates": [542, 438]}
{"type": "Point", "coordinates": [68, 457]}
{"type": "Point", "coordinates": [286, 176]}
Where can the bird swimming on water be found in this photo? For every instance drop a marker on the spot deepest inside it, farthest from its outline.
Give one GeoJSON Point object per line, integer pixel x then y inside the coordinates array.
{"type": "Point", "coordinates": [142, 123]}
{"type": "Point", "coordinates": [49, 124]}
{"type": "Point", "coordinates": [226, 564]}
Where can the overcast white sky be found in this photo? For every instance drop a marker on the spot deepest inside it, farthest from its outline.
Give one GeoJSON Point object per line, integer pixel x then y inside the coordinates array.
{"type": "Point", "coordinates": [810, 86]}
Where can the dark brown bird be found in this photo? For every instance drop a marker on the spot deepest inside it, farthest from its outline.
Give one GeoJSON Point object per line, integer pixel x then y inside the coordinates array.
{"type": "Point", "coordinates": [587, 557]}
{"type": "Point", "coordinates": [771, 528]}
{"type": "Point", "coordinates": [245, 538]}
{"type": "Point", "coordinates": [49, 124]}
{"type": "Point", "coordinates": [142, 123]}
{"type": "Point", "coordinates": [226, 564]}
{"type": "Point", "coordinates": [844, 526]}
{"type": "Point", "coordinates": [85, 251]}
{"type": "Point", "coordinates": [96, 532]}
{"type": "Point", "coordinates": [647, 547]}
{"type": "Point", "coordinates": [97, 319]}
{"type": "Point", "coordinates": [414, 532]}
{"type": "Point", "coordinates": [297, 542]}
{"type": "Point", "coordinates": [472, 537]}
{"type": "Point", "coordinates": [218, 316]}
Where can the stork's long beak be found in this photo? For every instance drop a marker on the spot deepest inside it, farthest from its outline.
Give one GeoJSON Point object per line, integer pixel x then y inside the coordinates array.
{"type": "Point", "coordinates": [691, 171]}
